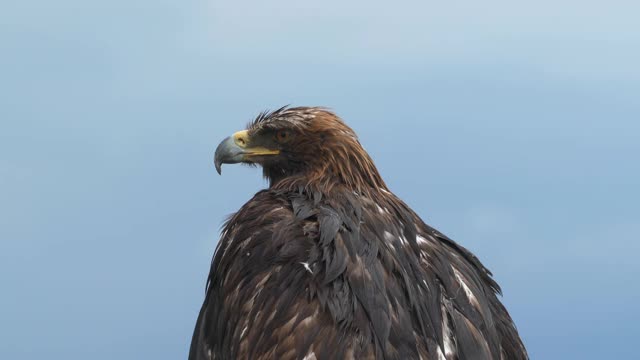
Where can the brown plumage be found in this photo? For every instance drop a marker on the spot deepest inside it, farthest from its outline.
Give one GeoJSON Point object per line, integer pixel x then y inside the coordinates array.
{"type": "Point", "coordinates": [328, 264]}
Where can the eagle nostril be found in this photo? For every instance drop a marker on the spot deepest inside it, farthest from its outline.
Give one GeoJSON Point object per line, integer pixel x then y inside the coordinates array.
{"type": "Point", "coordinates": [240, 141]}
{"type": "Point", "coordinates": [241, 138]}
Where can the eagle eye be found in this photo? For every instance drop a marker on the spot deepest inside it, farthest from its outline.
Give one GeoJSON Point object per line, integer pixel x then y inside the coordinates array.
{"type": "Point", "coordinates": [283, 135]}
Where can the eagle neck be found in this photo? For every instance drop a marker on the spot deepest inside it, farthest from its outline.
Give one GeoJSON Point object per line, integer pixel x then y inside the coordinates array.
{"type": "Point", "coordinates": [360, 177]}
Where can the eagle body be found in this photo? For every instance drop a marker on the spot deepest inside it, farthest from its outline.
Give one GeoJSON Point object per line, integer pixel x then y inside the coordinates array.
{"type": "Point", "coordinates": [330, 265]}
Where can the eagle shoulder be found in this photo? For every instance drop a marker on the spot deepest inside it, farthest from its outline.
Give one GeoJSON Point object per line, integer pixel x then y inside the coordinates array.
{"type": "Point", "coordinates": [265, 294]}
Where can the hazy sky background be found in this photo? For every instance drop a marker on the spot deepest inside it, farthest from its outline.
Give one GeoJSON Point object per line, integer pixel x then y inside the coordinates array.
{"type": "Point", "coordinates": [512, 127]}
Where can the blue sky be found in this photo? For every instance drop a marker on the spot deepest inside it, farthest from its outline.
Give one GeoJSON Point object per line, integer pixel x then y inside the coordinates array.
{"type": "Point", "coordinates": [512, 127]}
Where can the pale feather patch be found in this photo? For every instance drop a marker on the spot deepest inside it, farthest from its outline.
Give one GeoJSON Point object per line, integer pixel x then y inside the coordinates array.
{"type": "Point", "coordinates": [421, 240]}
{"type": "Point", "coordinates": [388, 236]}
{"type": "Point", "coordinates": [276, 209]}
{"type": "Point", "coordinates": [392, 238]}
{"type": "Point", "coordinates": [472, 298]}
{"type": "Point", "coordinates": [449, 349]}
{"type": "Point", "coordinates": [310, 356]}
{"type": "Point", "coordinates": [447, 336]}
{"type": "Point", "coordinates": [425, 284]}
{"type": "Point", "coordinates": [306, 266]}
{"type": "Point", "coordinates": [382, 210]}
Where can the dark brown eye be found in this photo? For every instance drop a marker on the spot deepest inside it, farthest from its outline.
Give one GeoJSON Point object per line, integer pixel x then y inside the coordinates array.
{"type": "Point", "coordinates": [283, 135]}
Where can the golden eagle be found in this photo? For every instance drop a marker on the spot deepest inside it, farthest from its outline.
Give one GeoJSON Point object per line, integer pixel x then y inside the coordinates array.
{"type": "Point", "coordinates": [327, 263]}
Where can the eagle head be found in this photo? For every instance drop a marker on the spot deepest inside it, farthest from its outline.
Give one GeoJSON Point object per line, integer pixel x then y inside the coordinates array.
{"type": "Point", "coordinates": [302, 146]}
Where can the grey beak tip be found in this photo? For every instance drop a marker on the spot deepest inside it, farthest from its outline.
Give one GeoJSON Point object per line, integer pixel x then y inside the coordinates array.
{"type": "Point", "coordinates": [228, 152]}
{"type": "Point", "coordinates": [217, 161]}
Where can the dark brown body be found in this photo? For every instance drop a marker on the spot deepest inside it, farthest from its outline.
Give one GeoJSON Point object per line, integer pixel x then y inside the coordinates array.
{"type": "Point", "coordinates": [323, 266]}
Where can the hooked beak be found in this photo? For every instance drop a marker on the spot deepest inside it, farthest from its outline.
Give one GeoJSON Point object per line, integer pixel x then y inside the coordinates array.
{"type": "Point", "coordinates": [236, 149]}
